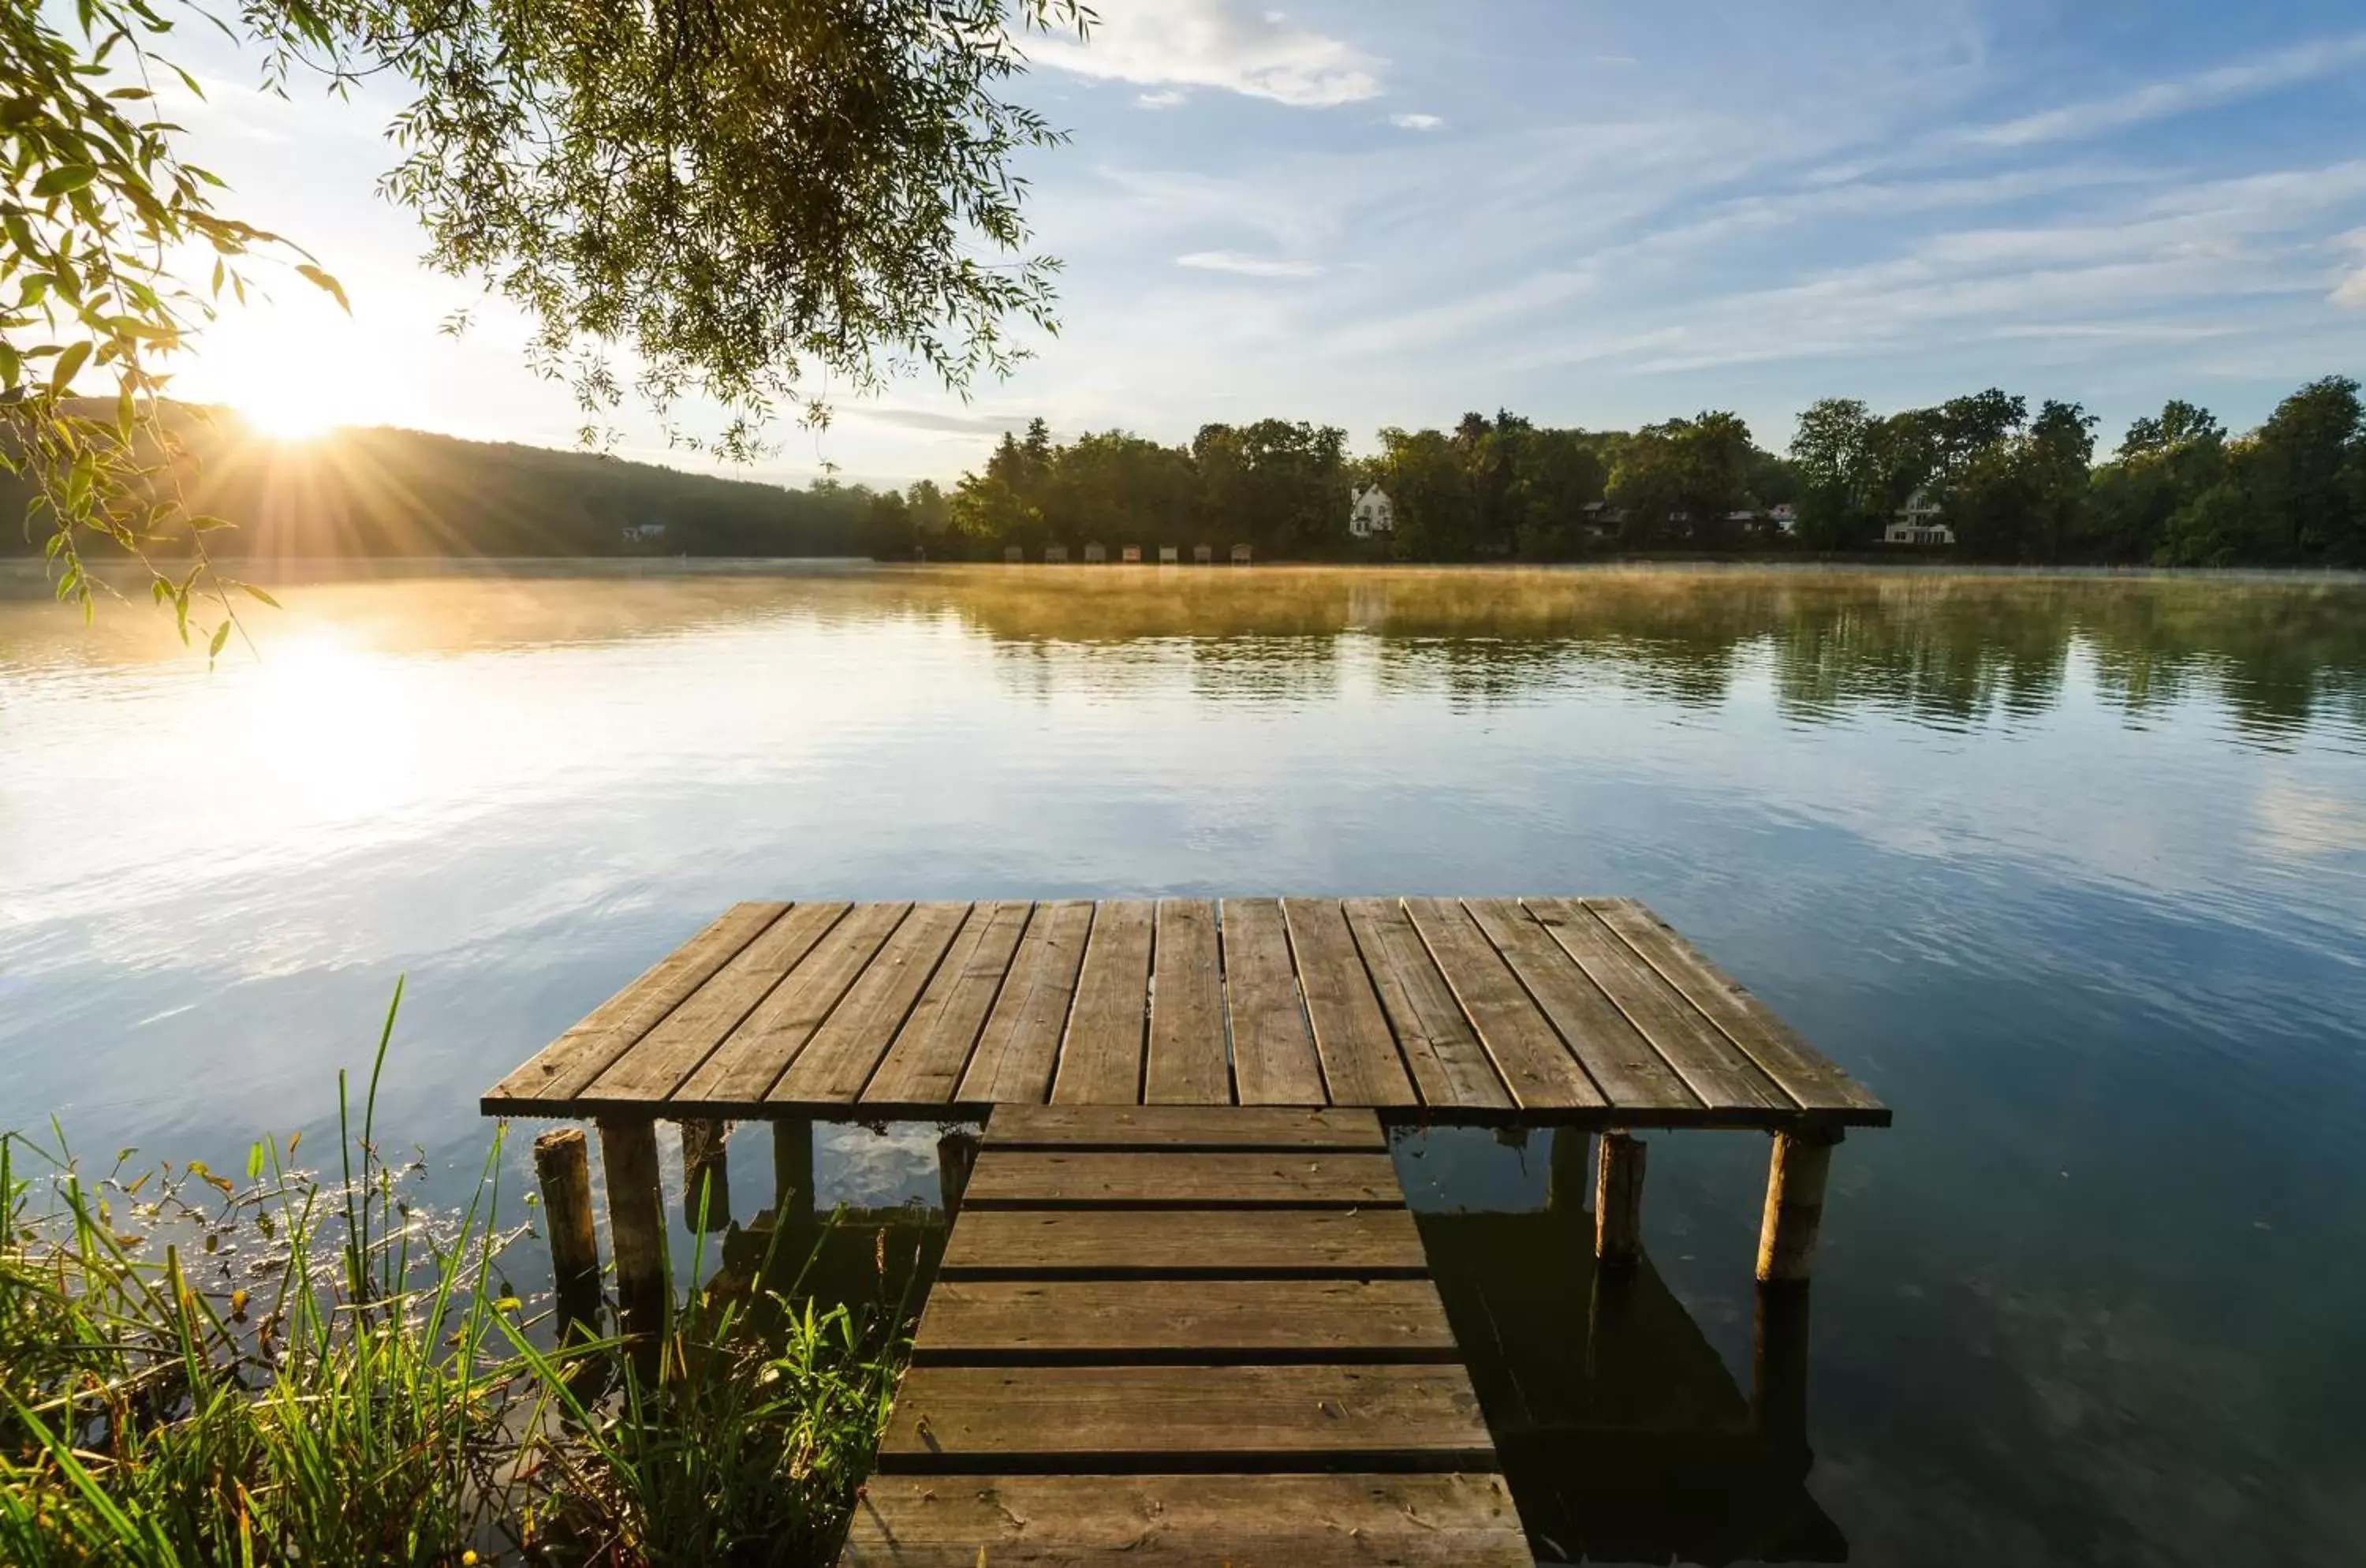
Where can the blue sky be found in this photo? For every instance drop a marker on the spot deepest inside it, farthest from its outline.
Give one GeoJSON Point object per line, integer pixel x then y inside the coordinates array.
{"type": "Point", "coordinates": [1372, 214]}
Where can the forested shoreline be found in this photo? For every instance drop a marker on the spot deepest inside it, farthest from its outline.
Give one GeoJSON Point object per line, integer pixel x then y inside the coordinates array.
{"type": "Point", "coordinates": [2010, 485]}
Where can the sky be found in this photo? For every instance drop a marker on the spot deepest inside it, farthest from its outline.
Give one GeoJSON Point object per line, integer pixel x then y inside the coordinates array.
{"type": "Point", "coordinates": [1372, 214]}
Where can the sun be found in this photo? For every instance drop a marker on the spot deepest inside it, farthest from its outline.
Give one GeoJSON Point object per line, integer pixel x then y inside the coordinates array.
{"type": "Point", "coordinates": [292, 414]}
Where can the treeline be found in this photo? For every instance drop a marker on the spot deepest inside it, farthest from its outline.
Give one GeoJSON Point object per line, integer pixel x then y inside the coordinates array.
{"type": "Point", "coordinates": [2009, 485]}
{"type": "Point", "coordinates": [377, 492]}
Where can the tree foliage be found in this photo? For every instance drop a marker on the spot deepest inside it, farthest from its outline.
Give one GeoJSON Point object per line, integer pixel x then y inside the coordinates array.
{"type": "Point", "coordinates": [729, 203]}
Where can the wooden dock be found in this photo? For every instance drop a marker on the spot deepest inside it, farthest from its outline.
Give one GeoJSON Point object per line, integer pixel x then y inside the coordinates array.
{"type": "Point", "coordinates": [1184, 1313]}
{"type": "Point", "coordinates": [1179, 1337]}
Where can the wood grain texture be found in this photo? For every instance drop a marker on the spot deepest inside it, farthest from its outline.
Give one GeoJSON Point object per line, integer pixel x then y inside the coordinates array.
{"type": "Point", "coordinates": [1698, 1051]}
{"type": "Point", "coordinates": [752, 1056]}
{"type": "Point", "coordinates": [1008, 1178]}
{"type": "Point", "coordinates": [1184, 1243]}
{"type": "Point", "coordinates": [980, 1417]}
{"type": "Point", "coordinates": [563, 1069]}
{"type": "Point", "coordinates": [1614, 1052]}
{"type": "Point", "coordinates": [924, 1066]}
{"type": "Point", "coordinates": [1020, 1043]}
{"type": "Point", "coordinates": [1120, 1320]}
{"type": "Point", "coordinates": [1528, 1053]}
{"type": "Point", "coordinates": [1455, 1520]}
{"type": "Point", "coordinates": [1803, 1073]}
{"type": "Point", "coordinates": [1441, 1050]}
{"type": "Point", "coordinates": [1188, 1062]}
{"type": "Point", "coordinates": [1100, 1058]}
{"type": "Point", "coordinates": [847, 1048]}
{"type": "Point", "coordinates": [1361, 1063]}
{"type": "Point", "coordinates": [1182, 1126]}
{"type": "Point", "coordinates": [1274, 1062]}
{"type": "Point", "coordinates": [669, 1053]}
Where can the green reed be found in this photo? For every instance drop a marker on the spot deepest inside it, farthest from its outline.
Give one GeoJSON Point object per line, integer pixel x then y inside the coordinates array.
{"type": "Point", "coordinates": [195, 1370]}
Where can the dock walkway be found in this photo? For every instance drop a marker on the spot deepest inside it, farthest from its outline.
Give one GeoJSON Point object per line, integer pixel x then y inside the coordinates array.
{"type": "Point", "coordinates": [1182, 1334]}
{"type": "Point", "coordinates": [1183, 1313]}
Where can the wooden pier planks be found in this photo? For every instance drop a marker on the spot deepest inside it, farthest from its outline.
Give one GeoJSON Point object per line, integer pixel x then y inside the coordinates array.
{"type": "Point", "coordinates": [1130, 1390]}
{"type": "Point", "coordinates": [1586, 1012]}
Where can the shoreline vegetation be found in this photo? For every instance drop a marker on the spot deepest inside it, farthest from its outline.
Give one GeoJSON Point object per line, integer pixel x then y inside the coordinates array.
{"type": "Point", "coordinates": [292, 1368]}
{"type": "Point", "coordinates": [1980, 480]}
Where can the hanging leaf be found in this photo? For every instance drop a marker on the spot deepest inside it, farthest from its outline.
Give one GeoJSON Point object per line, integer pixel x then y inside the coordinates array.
{"type": "Point", "coordinates": [322, 281]}
{"type": "Point", "coordinates": [62, 375]}
{"type": "Point", "coordinates": [63, 178]}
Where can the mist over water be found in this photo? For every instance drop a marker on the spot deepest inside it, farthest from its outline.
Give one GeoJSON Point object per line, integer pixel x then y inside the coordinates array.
{"type": "Point", "coordinates": [2071, 869]}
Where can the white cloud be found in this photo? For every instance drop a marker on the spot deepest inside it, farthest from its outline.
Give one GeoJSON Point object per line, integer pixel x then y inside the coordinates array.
{"type": "Point", "coordinates": [1165, 98]}
{"type": "Point", "coordinates": [2351, 292]}
{"type": "Point", "coordinates": [1221, 44]}
{"type": "Point", "coordinates": [2160, 100]}
{"type": "Point", "coordinates": [1241, 265]}
{"type": "Point", "coordinates": [1416, 122]}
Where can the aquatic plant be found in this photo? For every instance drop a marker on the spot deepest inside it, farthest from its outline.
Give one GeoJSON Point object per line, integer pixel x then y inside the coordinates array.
{"type": "Point", "coordinates": [197, 1369]}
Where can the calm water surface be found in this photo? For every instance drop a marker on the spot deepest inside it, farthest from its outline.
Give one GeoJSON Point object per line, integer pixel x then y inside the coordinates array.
{"type": "Point", "coordinates": [2072, 871]}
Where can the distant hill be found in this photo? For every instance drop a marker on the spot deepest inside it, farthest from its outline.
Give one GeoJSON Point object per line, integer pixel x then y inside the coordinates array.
{"type": "Point", "coordinates": [382, 491]}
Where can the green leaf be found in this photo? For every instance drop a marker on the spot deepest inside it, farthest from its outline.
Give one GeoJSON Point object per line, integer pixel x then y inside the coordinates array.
{"type": "Point", "coordinates": [63, 178]}
{"type": "Point", "coordinates": [221, 640]}
{"type": "Point", "coordinates": [11, 365]}
{"type": "Point", "coordinates": [320, 279]}
{"type": "Point", "coordinates": [251, 591]}
{"type": "Point", "coordinates": [62, 375]}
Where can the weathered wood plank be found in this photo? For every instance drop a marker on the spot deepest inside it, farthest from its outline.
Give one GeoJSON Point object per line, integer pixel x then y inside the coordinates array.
{"type": "Point", "coordinates": [1116, 1243]}
{"type": "Point", "coordinates": [669, 1053]}
{"type": "Point", "coordinates": [1361, 1063]}
{"type": "Point", "coordinates": [1458, 1520]}
{"type": "Point", "coordinates": [561, 1069]}
{"type": "Point", "coordinates": [1273, 1051]}
{"type": "Point", "coordinates": [752, 1056]}
{"type": "Point", "coordinates": [1188, 1062]}
{"type": "Point", "coordinates": [1620, 1061]}
{"type": "Point", "coordinates": [925, 1064]}
{"type": "Point", "coordinates": [846, 1049]}
{"type": "Point", "coordinates": [1710, 1065]}
{"type": "Point", "coordinates": [1021, 1042]}
{"type": "Point", "coordinates": [1800, 1070]}
{"type": "Point", "coordinates": [1449, 1065]}
{"type": "Point", "coordinates": [1117, 1418]}
{"type": "Point", "coordinates": [1528, 1050]}
{"type": "Point", "coordinates": [1184, 1126]}
{"type": "Point", "coordinates": [1100, 1059]}
{"type": "Point", "coordinates": [972, 1320]}
{"type": "Point", "coordinates": [1007, 1178]}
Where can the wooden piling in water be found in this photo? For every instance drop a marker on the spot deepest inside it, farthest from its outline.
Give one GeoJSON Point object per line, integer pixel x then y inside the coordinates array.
{"type": "Point", "coordinates": [793, 1172]}
{"type": "Point", "coordinates": [1619, 1199]}
{"type": "Point", "coordinates": [956, 1152]}
{"type": "Point", "coordinates": [705, 1175]}
{"type": "Point", "coordinates": [1795, 1204]}
{"type": "Point", "coordinates": [628, 1156]}
{"type": "Point", "coordinates": [563, 1168]}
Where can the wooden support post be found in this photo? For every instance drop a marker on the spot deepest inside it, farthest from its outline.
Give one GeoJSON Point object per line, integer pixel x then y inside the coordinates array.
{"type": "Point", "coordinates": [956, 1152]}
{"type": "Point", "coordinates": [628, 1154]}
{"type": "Point", "coordinates": [1619, 1199]}
{"type": "Point", "coordinates": [1571, 1169]}
{"type": "Point", "coordinates": [705, 1175]}
{"type": "Point", "coordinates": [564, 1171]}
{"type": "Point", "coordinates": [793, 1172]}
{"type": "Point", "coordinates": [1778, 1369]}
{"type": "Point", "coordinates": [1795, 1205]}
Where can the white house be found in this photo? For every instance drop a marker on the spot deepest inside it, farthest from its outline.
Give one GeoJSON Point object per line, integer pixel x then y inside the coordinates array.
{"type": "Point", "coordinates": [1917, 523]}
{"type": "Point", "coordinates": [1373, 513]}
{"type": "Point", "coordinates": [642, 533]}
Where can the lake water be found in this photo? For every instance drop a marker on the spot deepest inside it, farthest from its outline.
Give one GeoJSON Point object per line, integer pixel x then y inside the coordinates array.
{"type": "Point", "coordinates": [2071, 871]}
